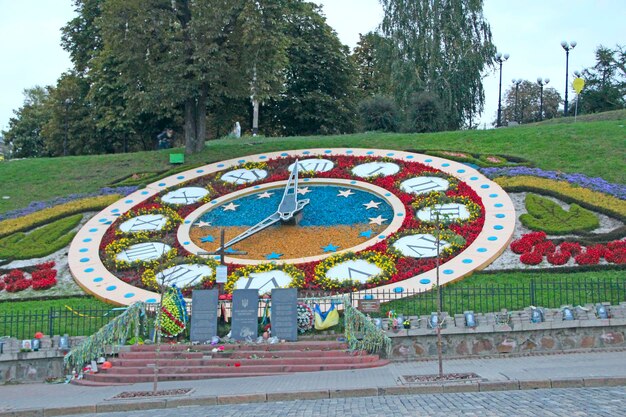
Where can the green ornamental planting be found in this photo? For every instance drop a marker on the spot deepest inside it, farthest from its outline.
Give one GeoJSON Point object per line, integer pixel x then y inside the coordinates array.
{"type": "Point", "coordinates": [548, 216]}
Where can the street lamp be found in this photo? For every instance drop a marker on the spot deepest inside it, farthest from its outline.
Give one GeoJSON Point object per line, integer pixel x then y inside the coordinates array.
{"type": "Point", "coordinates": [500, 58]}
{"type": "Point", "coordinates": [517, 82]}
{"type": "Point", "coordinates": [67, 103]}
{"type": "Point", "coordinates": [541, 83]}
{"type": "Point", "coordinates": [567, 47]}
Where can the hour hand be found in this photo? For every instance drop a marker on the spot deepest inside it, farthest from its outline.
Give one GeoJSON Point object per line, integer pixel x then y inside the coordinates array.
{"type": "Point", "coordinates": [290, 205]}
{"type": "Point", "coordinates": [263, 224]}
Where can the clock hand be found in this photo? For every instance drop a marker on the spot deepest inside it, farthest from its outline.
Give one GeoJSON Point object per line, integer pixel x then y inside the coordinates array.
{"type": "Point", "coordinates": [263, 224]}
{"type": "Point", "coordinates": [290, 205]}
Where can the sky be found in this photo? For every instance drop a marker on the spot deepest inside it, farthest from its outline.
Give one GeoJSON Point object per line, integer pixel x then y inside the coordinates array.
{"type": "Point", "coordinates": [529, 30]}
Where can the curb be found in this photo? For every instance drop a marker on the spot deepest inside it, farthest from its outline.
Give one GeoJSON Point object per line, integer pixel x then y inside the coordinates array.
{"type": "Point", "coordinates": [485, 386]}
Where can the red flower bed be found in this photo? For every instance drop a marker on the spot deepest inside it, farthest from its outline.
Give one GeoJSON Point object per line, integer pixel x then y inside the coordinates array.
{"type": "Point", "coordinates": [534, 246]}
{"type": "Point", "coordinates": [43, 277]}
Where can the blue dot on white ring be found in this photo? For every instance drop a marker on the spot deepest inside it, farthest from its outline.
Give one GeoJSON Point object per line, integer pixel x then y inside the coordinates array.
{"type": "Point", "coordinates": [390, 154]}
{"type": "Point", "coordinates": [445, 165]}
{"type": "Point", "coordinates": [500, 216]}
{"type": "Point", "coordinates": [88, 270]}
{"type": "Point", "coordinates": [400, 214]}
{"type": "Point", "coordinates": [467, 261]}
{"type": "Point", "coordinates": [349, 152]}
{"type": "Point", "coordinates": [199, 171]}
{"type": "Point", "coordinates": [162, 184]}
{"type": "Point", "coordinates": [102, 220]}
{"type": "Point", "coordinates": [409, 157]}
{"type": "Point", "coordinates": [284, 154]}
{"type": "Point", "coordinates": [99, 279]}
{"type": "Point", "coordinates": [93, 230]}
{"type": "Point", "coordinates": [144, 193]}
{"type": "Point", "coordinates": [473, 178]}
{"type": "Point", "coordinates": [83, 260]}
{"type": "Point", "coordinates": [185, 243]}
{"type": "Point", "coordinates": [370, 152]}
{"type": "Point", "coordinates": [187, 221]}
{"type": "Point", "coordinates": [83, 250]}
{"type": "Point", "coordinates": [180, 177]}
{"type": "Point", "coordinates": [256, 187]}
{"type": "Point", "coordinates": [352, 182]}
{"type": "Point", "coordinates": [129, 295]}
{"type": "Point", "coordinates": [128, 201]}
{"type": "Point", "coordinates": [498, 205]}
{"type": "Point", "coordinates": [493, 195]}
{"type": "Point", "coordinates": [87, 240]}
{"type": "Point", "coordinates": [151, 300]}
{"type": "Point", "coordinates": [307, 179]}
{"type": "Point", "coordinates": [327, 151]}
{"type": "Point", "coordinates": [115, 210]}
{"type": "Point", "coordinates": [485, 186]}
{"type": "Point", "coordinates": [111, 288]}
{"type": "Point", "coordinates": [262, 157]}
{"type": "Point", "coordinates": [481, 250]}
{"type": "Point", "coordinates": [306, 152]}
{"type": "Point", "coordinates": [398, 290]}
{"type": "Point", "coordinates": [448, 271]}
{"type": "Point", "coordinates": [460, 171]}
{"type": "Point", "coordinates": [381, 236]}
{"type": "Point", "coordinates": [492, 238]}
{"type": "Point", "coordinates": [498, 227]}
{"type": "Point", "coordinates": [220, 165]}
{"type": "Point", "coordinates": [387, 194]}
{"type": "Point", "coordinates": [424, 281]}
{"type": "Point", "coordinates": [241, 161]}
{"type": "Point", "coordinates": [428, 160]}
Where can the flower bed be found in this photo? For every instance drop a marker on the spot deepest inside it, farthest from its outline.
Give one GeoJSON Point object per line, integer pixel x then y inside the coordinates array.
{"type": "Point", "coordinates": [533, 247]}
{"type": "Point", "coordinates": [544, 214]}
{"type": "Point", "coordinates": [43, 277]}
{"type": "Point", "coordinates": [594, 200]}
{"type": "Point", "coordinates": [40, 242]}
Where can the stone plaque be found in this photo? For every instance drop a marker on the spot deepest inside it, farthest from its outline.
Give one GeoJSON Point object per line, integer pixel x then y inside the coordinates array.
{"type": "Point", "coordinates": [369, 306]}
{"type": "Point", "coordinates": [245, 320]}
{"type": "Point", "coordinates": [203, 315]}
{"type": "Point", "coordinates": [284, 313]}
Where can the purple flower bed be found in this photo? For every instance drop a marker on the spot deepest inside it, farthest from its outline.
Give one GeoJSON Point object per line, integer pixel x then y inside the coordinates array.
{"type": "Point", "coordinates": [597, 184]}
{"type": "Point", "coordinates": [40, 205]}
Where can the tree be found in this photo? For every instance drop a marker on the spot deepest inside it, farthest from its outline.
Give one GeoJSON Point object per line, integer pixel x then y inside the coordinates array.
{"type": "Point", "coordinates": [605, 82]}
{"type": "Point", "coordinates": [527, 107]}
{"type": "Point", "coordinates": [187, 54]}
{"type": "Point", "coordinates": [372, 68]}
{"type": "Point", "coordinates": [319, 92]}
{"type": "Point", "coordinates": [25, 129]}
{"type": "Point", "coordinates": [440, 47]}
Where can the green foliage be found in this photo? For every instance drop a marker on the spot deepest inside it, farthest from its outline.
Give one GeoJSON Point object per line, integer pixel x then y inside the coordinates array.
{"type": "Point", "coordinates": [523, 104]}
{"type": "Point", "coordinates": [546, 215]}
{"type": "Point", "coordinates": [442, 47]}
{"type": "Point", "coordinates": [605, 82]}
{"type": "Point", "coordinates": [40, 242]}
{"type": "Point", "coordinates": [425, 114]}
{"type": "Point", "coordinates": [373, 70]}
{"type": "Point", "coordinates": [379, 113]}
{"type": "Point", "coordinates": [79, 304]}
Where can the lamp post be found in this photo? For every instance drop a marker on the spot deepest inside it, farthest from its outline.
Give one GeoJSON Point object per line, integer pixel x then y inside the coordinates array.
{"type": "Point", "coordinates": [567, 47]}
{"type": "Point", "coordinates": [517, 82]}
{"type": "Point", "coordinates": [67, 103]}
{"type": "Point", "coordinates": [500, 58]}
{"type": "Point", "coordinates": [541, 82]}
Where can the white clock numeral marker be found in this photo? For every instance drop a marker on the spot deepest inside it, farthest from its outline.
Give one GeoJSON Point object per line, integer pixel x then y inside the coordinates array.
{"type": "Point", "coordinates": [423, 185]}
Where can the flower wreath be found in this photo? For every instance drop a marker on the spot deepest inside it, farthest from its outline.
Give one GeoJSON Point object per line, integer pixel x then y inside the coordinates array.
{"type": "Point", "coordinates": [148, 278]}
{"type": "Point", "coordinates": [305, 318]}
{"type": "Point", "coordinates": [456, 242]}
{"type": "Point", "coordinates": [434, 199]}
{"type": "Point", "coordinates": [117, 246]}
{"type": "Point", "coordinates": [173, 220]}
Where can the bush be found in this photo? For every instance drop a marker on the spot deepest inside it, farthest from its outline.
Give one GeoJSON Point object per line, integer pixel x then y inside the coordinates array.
{"type": "Point", "coordinates": [546, 215]}
{"type": "Point", "coordinates": [425, 114]}
{"type": "Point", "coordinates": [379, 113]}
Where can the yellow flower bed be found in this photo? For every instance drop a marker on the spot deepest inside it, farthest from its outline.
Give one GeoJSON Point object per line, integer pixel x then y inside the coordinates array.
{"type": "Point", "coordinates": [297, 276]}
{"type": "Point", "coordinates": [148, 278]}
{"type": "Point", "coordinates": [30, 221]}
{"type": "Point", "coordinates": [115, 247]}
{"type": "Point", "coordinates": [387, 264]}
{"type": "Point", "coordinates": [583, 196]}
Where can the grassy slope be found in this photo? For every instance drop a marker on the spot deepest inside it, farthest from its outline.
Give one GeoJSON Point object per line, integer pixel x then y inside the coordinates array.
{"type": "Point", "coordinates": [595, 148]}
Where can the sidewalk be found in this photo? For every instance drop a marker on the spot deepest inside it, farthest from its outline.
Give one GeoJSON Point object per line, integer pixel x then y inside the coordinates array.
{"type": "Point", "coordinates": [546, 371]}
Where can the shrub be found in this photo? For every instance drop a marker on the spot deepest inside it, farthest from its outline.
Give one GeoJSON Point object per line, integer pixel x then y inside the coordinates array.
{"type": "Point", "coordinates": [379, 113]}
{"type": "Point", "coordinates": [546, 215]}
{"type": "Point", "coordinates": [425, 114]}
{"type": "Point", "coordinates": [40, 242]}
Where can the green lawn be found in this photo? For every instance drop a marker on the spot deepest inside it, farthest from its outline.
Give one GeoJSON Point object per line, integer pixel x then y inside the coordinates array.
{"type": "Point", "coordinates": [596, 148]}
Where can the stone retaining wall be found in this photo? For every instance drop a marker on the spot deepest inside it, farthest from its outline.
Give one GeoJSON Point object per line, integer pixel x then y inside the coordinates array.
{"type": "Point", "coordinates": [511, 334]}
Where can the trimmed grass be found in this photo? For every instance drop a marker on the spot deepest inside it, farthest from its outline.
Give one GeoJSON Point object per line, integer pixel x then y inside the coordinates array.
{"type": "Point", "coordinates": [593, 148]}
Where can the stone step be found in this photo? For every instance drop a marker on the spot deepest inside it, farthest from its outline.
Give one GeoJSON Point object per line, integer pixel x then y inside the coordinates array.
{"type": "Point", "coordinates": [220, 361]}
{"type": "Point", "coordinates": [189, 373]}
{"type": "Point", "coordinates": [234, 354]}
{"type": "Point", "coordinates": [308, 345]}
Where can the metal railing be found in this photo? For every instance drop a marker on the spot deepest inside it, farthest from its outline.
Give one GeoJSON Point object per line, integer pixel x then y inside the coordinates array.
{"type": "Point", "coordinates": [455, 300]}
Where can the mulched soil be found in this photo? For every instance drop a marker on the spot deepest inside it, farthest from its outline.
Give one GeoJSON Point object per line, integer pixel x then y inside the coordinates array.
{"type": "Point", "coordinates": [150, 394]}
{"type": "Point", "coordinates": [454, 377]}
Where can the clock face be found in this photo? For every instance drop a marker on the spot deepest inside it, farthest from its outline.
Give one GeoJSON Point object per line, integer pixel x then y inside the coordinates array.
{"type": "Point", "coordinates": [364, 219]}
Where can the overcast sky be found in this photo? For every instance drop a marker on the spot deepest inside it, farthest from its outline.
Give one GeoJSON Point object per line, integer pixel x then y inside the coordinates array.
{"type": "Point", "coordinates": [529, 30]}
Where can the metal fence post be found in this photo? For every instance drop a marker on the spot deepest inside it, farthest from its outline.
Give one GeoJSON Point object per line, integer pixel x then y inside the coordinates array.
{"type": "Point", "coordinates": [51, 322]}
{"type": "Point", "coordinates": [532, 291]}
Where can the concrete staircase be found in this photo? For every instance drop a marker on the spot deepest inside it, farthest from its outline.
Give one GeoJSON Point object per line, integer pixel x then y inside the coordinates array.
{"type": "Point", "coordinates": [185, 362]}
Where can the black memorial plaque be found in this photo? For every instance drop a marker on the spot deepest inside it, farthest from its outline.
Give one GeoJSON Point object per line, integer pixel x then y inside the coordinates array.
{"type": "Point", "coordinates": [203, 315]}
{"type": "Point", "coordinates": [245, 320]}
{"type": "Point", "coordinates": [284, 315]}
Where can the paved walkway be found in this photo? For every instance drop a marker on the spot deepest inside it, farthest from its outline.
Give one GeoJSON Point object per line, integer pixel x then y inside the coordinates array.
{"type": "Point", "coordinates": [548, 371]}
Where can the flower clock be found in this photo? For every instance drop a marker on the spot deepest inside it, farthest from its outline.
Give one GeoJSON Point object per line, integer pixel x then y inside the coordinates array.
{"type": "Point", "coordinates": [341, 220]}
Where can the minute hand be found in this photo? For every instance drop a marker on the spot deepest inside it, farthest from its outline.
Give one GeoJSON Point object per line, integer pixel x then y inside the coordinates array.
{"type": "Point", "coordinates": [263, 224]}
{"type": "Point", "coordinates": [290, 204]}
